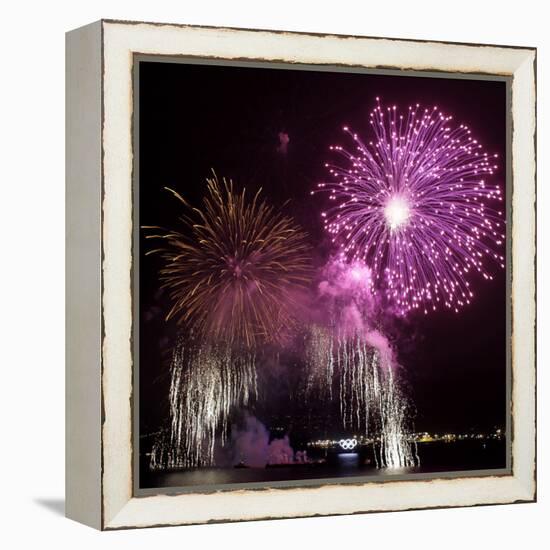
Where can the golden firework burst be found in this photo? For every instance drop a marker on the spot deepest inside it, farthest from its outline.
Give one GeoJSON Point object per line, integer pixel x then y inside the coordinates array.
{"type": "Point", "coordinates": [235, 273]}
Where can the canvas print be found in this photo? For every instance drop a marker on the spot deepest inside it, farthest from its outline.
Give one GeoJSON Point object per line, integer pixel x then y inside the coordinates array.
{"type": "Point", "coordinates": [320, 275]}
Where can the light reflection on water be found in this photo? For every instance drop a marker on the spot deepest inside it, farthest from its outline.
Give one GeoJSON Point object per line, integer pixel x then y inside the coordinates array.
{"type": "Point", "coordinates": [347, 465]}
{"type": "Point", "coordinates": [434, 458]}
{"type": "Point", "coordinates": [348, 460]}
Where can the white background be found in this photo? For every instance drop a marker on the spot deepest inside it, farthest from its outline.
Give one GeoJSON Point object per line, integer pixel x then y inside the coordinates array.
{"type": "Point", "coordinates": [32, 273]}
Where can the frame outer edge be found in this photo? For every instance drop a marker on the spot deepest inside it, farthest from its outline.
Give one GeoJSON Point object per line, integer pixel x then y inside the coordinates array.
{"type": "Point", "coordinates": [83, 324]}
{"type": "Point", "coordinates": [524, 275]}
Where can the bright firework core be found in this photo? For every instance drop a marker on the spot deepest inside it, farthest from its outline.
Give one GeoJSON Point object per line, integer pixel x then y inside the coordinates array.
{"type": "Point", "coordinates": [397, 212]}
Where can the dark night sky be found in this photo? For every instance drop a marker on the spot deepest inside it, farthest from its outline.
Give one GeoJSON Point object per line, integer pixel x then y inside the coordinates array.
{"type": "Point", "coordinates": [194, 118]}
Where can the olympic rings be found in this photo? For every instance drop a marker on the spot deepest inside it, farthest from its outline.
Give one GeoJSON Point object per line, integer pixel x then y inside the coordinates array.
{"type": "Point", "coordinates": [348, 444]}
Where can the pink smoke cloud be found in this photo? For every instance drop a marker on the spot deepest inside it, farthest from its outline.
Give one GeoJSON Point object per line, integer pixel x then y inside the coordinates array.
{"type": "Point", "coordinates": [250, 446]}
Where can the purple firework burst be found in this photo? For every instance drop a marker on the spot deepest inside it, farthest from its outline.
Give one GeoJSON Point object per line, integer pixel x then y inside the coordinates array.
{"type": "Point", "coordinates": [414, 203]}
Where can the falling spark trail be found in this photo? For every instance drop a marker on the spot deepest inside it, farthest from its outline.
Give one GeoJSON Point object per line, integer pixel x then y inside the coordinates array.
{"type": "Point", "coordinates": [207, 383]}
{"type": "Point", "coordinates": [320, 350]}
{"type": "Point", "coordinates": [369, 396]}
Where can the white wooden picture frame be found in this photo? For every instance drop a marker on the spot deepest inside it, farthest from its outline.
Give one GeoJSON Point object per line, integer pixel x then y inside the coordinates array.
{"type": "Point", "coordinates": [100, 390]}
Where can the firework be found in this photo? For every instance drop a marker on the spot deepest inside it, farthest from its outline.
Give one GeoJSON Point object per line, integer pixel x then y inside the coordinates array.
{"type": "Point", "coordinates": [416, 204]}
{"type": "Point", "coordinates": [233, 278]}
{"type": "Point", "coordinates": [368, 392]}
{"type": "Point", "coordinates": [207, 382]}
{"type": "Point", "coordinates": [319, 364]}
{"type": "Point", "coordinates": [234, 274]}
{"type": "Point", "coordinates": [352, 362]}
